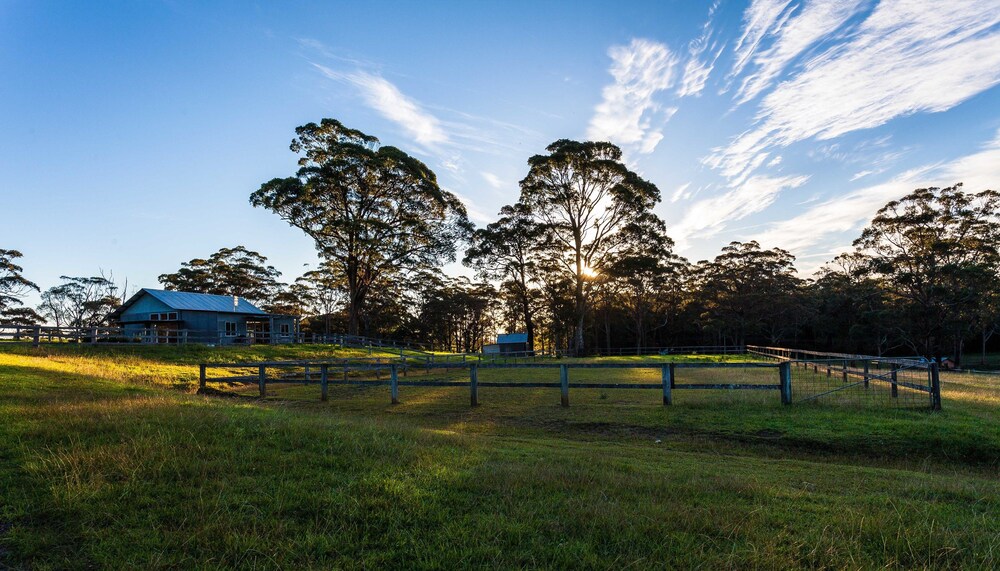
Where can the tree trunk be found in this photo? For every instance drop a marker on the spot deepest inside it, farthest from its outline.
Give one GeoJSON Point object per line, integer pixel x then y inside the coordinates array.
{"type": "Point", "coordinates": [529, 325]}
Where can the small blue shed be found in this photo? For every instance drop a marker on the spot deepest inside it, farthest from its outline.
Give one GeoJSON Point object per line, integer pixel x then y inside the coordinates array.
{"type": "Point", "coordinates": [163, 316]}
{"type": "Point", "coordinates": [512, 342]}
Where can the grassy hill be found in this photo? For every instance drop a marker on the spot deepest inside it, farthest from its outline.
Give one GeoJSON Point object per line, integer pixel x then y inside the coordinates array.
{"type": "Point", "coordinates": [108, 459]}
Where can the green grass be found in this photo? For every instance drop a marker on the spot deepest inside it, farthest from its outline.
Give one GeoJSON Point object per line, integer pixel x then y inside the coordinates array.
{"type": "Point", "coordinates": [107, 459]}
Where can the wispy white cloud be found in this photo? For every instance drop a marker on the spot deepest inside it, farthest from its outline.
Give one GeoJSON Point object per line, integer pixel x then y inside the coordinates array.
{"type": "Point", "coordinates": [848, 213]}
{"type": "Point", "coordinates": [709, 216]}
{"type": "Point", "coordinates": [628, 113]}
{"type": "Point", "coordinates": [492, 179]}
{"type": "Point", "coordinates": [814, 22]}
{"type": "Point", "coordinates": [385, 98]}
{"type": "Point", "coordinates": [680, 192]}
{"type": "Point", "coordinates": [906, 57]}
{"type": "Point", "coordinates": [761, 17]}
{"type": "Point", "coordinates": [698, 69]}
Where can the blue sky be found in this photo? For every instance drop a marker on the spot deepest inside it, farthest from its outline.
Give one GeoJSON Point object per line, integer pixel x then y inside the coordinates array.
{"type": "Point", "coordinates": [131, 134]}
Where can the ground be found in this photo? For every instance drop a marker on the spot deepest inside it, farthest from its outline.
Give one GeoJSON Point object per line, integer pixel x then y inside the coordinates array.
{"type": "Point", "coordinates": [109, 459]}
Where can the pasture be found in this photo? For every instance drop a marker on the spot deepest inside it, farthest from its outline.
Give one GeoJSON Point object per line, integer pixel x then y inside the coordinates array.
{"type": "Point", "coordinates": [108, 458]}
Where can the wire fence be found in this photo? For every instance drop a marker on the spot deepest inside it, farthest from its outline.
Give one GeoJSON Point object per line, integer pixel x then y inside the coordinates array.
{"type": "Point", "coordinates": [858, 380]}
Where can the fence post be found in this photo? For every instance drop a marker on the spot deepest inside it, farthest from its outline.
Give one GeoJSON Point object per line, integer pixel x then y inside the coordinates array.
{"type": "Point", "coordinates": [474, 384]}
{"type": "Point", "coordinates": [393, 384]}
{"type": "Point", "coordinates": [866, 373]}
{"type": "Point", "coordinates": [93, 336]}
{"type": "Point", "coordinates": [37, 337]}
{"type": "Point", "coordinates": [935, 374]}
{"type": "Point", "coordinates": [564, 385]}
{"type": "Point", "coordinates": [324, 382]}
{"type": "Point", "coordinates": [262, 381]}
{"type": "Point", "coordinates": [345, 370]}
{"type": "Point", "coordinates": [667, 376]}
{"type": "Point", "coordinates": [785, 375]}
{"type": "Point", "coordinates": [202, 378]}
{"type": "Point", "coordinates": [895, 387]}
{"type": "Point", "coordinates": [308, 376]}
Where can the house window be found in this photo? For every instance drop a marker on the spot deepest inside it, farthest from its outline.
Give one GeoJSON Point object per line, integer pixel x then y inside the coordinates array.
{"type": "Point", "coordinates": [283, 328]}
{"type": "Point", "coordinates": [171, 316]}
{"type": "Point", "coordinates": [230, 329]}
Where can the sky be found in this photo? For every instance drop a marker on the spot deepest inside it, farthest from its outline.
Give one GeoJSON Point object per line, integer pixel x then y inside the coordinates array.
{"type": "Point", "coordinates": [132, 133]}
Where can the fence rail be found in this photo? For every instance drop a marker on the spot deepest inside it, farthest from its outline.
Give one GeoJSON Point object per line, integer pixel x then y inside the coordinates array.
{"type": "Point", "coordinates": [104, 335]}
{"type": "Point", "coordinates": [338, 372]}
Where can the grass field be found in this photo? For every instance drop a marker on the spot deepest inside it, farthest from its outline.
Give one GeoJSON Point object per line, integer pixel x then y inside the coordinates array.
{"type": "Point", "coordinates": [108, 459]}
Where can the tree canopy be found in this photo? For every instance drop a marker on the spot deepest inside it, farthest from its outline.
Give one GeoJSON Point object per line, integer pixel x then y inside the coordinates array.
{"type": "Point", "coordinates": [934, 252]}
{"type": "Point", "coordinates": [581, 195]}
{"type": "Point", "coordinates": [80, 301]}
{"type": "Point", "coordinates": [372, 210]}
{"type": "Point", "coordinates": [13, 287]}
{"type": "Point", "coordinates": [230, 271]}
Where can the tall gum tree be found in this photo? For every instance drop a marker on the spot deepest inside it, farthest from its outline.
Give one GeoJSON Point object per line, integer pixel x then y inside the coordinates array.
{"type": "Point", "coordinates": [935, 251]}
{"type": "Point", "coordinates": [582, 195]}
{"type": "Point", "coordinates": [505, 251]}
{"type": "Point", "coordinates": [372, 210]}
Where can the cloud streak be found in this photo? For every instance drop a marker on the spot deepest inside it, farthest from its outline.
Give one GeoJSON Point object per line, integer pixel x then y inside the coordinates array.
{"type": "Point", "coordinates": [628, 113]}
{"type": "Point", "coordinates": [850, 212]}
{"type": "Point", "coordinates": [799, 32]}
{"type": "Point", "coordinates": [707, 217]}
{"type": "Point", "coordinates": [385, 98]}
{"type": "Point", "coordinates": [905, 58]}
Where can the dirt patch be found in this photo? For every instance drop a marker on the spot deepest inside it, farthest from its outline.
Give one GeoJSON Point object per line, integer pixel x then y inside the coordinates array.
{"type": "Point", "coordinates": [210, 392]}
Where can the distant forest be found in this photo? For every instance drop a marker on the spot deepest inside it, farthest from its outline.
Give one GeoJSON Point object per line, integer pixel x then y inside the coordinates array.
{"type": "Point", "coordinates": [580, 262]}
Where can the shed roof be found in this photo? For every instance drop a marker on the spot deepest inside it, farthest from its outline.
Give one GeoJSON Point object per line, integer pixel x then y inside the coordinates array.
{"type": "Point", "coordinates": [512, 338]}
{"type": "Point", "coordinates": [186, 300]}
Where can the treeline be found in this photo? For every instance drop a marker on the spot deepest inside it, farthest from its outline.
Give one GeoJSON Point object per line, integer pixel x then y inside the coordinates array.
{"type": "Point", "coordinates": [581, 263]}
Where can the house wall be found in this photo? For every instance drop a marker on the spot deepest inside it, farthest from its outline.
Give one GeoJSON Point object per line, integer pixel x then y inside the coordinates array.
{"type": "Point", "coordinates": [140, 310]}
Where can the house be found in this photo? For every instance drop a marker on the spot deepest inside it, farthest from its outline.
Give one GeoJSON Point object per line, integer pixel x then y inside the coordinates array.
{"type": "Point", "coordinates": [162, 316]}
{"type": "Point", "coordinates": [512, 343]}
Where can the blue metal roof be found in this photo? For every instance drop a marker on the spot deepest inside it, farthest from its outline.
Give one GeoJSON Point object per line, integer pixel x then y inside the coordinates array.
{"type": "Point", "coordinates": [203, 302]}
{"type": "Point", "coordinates": [512, 338]}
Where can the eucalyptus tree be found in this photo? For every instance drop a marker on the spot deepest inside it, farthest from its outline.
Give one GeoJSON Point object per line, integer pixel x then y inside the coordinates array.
{"type": "Point", "coordinates": [748, 291]}
{"type": "Point", "coordinates": [646, 276]}
{"type": "Point", "coordinates": [80, 301]}
{"type": "Point", "coordinates": [13, 287]}
{"type": "Point", "coordinates": [935, 252]}
{"type": "Point", "coordinates": [582, 195]}
{"type": "Point", "coordinates": [456, 314]}
{"type": "Point", "coordinates": [851, 309]}
{"type": "Point", "coordinates": [322, 291]}
{"type": "Point", "coordinates": [230, 271]}
{"type": "Point", "coordinates": [505, 251]}
{"type": "Point", "coordinates": [372, 210]}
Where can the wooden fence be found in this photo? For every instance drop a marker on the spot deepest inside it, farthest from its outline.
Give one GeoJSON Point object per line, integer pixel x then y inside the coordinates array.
{"type": "Point", "coordinates": [675, 350]}
{"type": "Point", "coordinates": [913, 373]}
{"type": "Point", "coordinates": [103, 335]}
{"type": "Point", "coordinates": [338, 373]}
